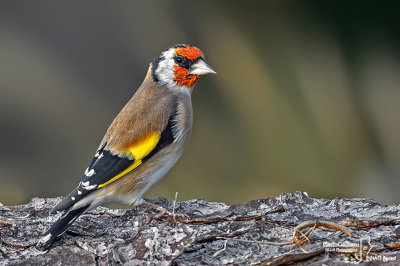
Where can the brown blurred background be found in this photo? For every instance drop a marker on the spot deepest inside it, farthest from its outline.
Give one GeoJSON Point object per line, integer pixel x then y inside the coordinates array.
{"type": "Point", "coordinates": [306, 98]}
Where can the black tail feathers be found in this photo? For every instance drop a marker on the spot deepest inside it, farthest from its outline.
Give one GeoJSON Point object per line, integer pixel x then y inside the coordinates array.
{"type": "Point", "coordinates": [59, 227]}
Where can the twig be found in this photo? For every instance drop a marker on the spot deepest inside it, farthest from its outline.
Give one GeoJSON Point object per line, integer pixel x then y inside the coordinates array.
{"type": "Point", "coordinates": [221, 250]}
{"type": "Point", "coordinates": [173, 207]}
{"type": "Point", "coordinates": [303, 238]}
{"type": "Point", "coordinates": [2, 222]}
{"type": "Point", "coordinates": [256, 242]}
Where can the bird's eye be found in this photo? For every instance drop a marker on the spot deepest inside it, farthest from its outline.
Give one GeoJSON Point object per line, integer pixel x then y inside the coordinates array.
{"type": "Point", "coordinates": [179, 59]}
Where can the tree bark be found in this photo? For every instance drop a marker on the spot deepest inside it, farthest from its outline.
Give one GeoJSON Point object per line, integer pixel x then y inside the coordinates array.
{"type": "Point", "coordinates": [271, 231]}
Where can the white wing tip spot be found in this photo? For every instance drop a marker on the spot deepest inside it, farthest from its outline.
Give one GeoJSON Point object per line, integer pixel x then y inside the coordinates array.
{"type": "Point", "coordinates": [90, 173]}
{"type": "Point", "coordinates": [46, 238]}
{"type": "Point", "coordinates": [90, 187]}
{"type": "Point", "coordinates": [86, 185]}
{"type": "Point", "coordinates": [73, 198]}
{"type": "Point", "coordinates": [79, 192]}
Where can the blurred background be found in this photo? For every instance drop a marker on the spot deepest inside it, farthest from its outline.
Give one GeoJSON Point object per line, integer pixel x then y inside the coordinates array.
{"type": "Point", "coordinates": [306, 98]}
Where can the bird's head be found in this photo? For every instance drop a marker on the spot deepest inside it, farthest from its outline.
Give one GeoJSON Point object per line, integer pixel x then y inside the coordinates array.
{"type": "Point", "coordinates": [180, 66]}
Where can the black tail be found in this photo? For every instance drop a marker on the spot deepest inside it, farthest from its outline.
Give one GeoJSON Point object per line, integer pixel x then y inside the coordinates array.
{"type": "Point", "coordinates": [59, 227]}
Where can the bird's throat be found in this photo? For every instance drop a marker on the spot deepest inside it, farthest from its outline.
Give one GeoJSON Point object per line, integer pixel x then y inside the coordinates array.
{"type": "Point", "coordinates": [183, 78]}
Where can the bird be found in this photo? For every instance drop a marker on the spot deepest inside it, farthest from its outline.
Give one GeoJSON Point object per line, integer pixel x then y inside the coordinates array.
{"type": "Point", "coordinates": [142, 143]}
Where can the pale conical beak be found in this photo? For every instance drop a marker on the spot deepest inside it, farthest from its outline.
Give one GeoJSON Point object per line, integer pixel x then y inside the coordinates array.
{"type": "Point", "coordinates": [201, 68]}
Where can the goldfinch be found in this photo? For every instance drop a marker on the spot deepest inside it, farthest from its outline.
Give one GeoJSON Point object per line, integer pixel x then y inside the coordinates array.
{"type": "Point", "coordinates": [143, 142]}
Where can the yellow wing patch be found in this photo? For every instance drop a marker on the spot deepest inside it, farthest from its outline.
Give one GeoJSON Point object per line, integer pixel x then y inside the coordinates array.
{"type": "Point", "coordinates": [140, 149]}
{"type": "Point", "coordinates": [143, 146]}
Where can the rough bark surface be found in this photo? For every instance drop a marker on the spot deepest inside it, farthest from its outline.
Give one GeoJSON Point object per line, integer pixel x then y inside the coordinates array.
{"type": "Point", "coordinates": [209, 233]}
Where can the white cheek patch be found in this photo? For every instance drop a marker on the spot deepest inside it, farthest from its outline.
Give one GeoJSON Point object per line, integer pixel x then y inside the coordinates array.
{"type": "Point", "coordinates": [165, 69]}
{"type": "Point", "coordinates": [165, 72]}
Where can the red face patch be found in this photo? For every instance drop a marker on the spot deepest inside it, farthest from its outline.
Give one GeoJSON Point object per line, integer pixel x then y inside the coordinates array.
{"type": "Point", "coordinates": [190, 52]}
{"type": "Point", "coordinates": [183, 78]}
